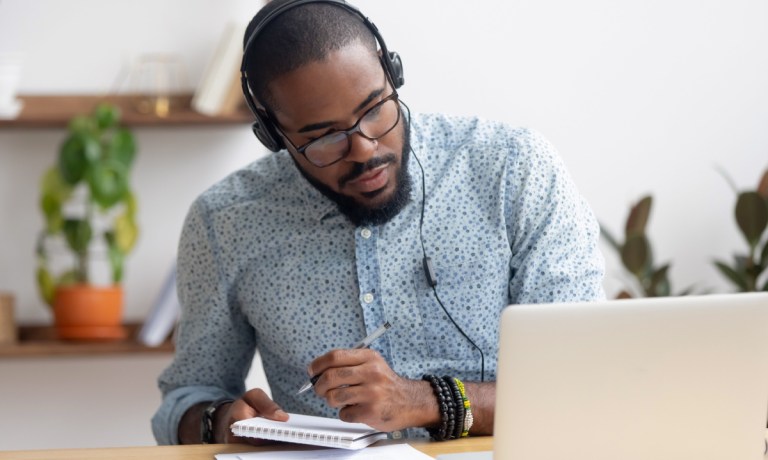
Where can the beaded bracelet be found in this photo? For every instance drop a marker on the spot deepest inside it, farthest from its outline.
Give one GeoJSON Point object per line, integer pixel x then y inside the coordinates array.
{"type": "Point", "coordinates": [438, 433]}
{"type": "Point", "coordinates": [455, 410]}
{"type": "Point", "coordinates": [453, 419]}
{"type": "Point", "coordinates": [458, 402]}
{"type": "Point", "coordinates": [468, 419]}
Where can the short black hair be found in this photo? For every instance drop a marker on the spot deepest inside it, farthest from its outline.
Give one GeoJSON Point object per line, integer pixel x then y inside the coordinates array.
{"type": "Point", "coordinates": [296, 37]}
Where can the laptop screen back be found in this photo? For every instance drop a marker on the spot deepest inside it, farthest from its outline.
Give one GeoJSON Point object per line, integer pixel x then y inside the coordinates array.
{"type": "Point", "coordinates": [666, 378]}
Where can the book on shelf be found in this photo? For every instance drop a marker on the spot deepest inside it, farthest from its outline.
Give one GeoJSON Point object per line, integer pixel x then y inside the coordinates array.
{"type": "Point", "coordinates": [310, 429]}
{"type": "Point", "coordinates": [215, 95]}
{"type": "Point", "coordinates": [163, 315]}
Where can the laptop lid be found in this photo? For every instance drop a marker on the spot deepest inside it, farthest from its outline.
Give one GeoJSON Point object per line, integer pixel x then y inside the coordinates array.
{"type": "Point", "coordinates": [673, 378]}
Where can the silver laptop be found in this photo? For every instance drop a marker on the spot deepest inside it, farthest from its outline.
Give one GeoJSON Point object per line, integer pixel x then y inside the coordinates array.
{"type": "Point", "coordinates": [673, 378]}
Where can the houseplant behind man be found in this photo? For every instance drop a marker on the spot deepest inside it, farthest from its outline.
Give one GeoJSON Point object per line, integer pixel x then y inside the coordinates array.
{"type": "Point", "coordinates": [89, 209]}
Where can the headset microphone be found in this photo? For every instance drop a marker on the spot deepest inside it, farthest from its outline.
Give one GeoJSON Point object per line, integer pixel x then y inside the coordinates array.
{"type": "Point", "coordinates": [430, 272]}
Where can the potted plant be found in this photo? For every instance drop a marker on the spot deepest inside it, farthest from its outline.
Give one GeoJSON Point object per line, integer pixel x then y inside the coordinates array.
{"type": "Point", "coordinates": [637, 256]}
{"type": "Point", "coordinates": [748, 272]}
{"type": "Point", "coordinates": [90, 216]}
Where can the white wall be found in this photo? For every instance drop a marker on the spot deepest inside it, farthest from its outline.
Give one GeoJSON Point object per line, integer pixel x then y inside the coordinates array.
{"type": "Point", "coordinates": [75, 402]}
{"type": "Point", "coordinates": [639, 97]}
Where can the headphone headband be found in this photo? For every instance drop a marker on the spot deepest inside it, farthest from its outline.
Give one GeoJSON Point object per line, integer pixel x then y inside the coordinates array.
{"type": "Point", "coordinates": [264, 127]}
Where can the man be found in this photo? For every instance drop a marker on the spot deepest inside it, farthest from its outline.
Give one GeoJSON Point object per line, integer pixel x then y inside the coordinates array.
{"type": "Point", "coordinates": [367, 215]}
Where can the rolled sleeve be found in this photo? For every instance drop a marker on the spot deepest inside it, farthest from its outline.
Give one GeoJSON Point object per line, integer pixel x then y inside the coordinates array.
{"type": "Point", "coordinates": [165, 422]}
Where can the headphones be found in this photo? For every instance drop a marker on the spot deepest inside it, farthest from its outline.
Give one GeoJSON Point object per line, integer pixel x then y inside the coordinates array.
{"type": "Point", "coordinates": [264, 127]}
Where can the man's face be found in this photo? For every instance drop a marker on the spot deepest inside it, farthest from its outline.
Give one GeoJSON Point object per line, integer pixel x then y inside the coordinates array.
{"type": "Point", "coordinates": [331, 95]}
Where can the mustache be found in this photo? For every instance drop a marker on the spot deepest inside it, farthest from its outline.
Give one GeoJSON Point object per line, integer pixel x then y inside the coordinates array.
{"type": "Point", "coordinates": [361, 168]}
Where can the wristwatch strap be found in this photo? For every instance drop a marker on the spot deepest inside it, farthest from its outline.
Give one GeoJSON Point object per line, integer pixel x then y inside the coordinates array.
{"type": "Point", "coordinates": [207, 429]}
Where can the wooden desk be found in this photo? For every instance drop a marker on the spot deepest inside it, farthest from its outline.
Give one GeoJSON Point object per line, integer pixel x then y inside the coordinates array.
{"type": "Point", "coordinates": [206, 452]}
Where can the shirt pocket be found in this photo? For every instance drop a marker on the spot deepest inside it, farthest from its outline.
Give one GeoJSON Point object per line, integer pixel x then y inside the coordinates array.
{"type": "Point", "coordinates": [445, 328]}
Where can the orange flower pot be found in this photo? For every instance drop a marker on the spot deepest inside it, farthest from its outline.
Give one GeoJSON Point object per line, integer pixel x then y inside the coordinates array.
{"type": "Point", "coordinates": [85, 312]}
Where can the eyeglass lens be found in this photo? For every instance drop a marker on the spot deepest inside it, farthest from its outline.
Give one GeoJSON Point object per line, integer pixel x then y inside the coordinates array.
{"type": "Point", "coordinates": [375, 123]}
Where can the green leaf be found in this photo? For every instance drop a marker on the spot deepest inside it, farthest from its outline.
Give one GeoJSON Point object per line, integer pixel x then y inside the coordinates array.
{"type": "Point", "coordinates": [53, 184]}
{"type": "Point", "coordinates": [126, 232]}
{"type": "Point", "coordinates": [762, 187]}
{"type": "Point", "coordinates": [764, 255]}
{"type": "Point", "coordinates": [122, 147]}
{"type": "Point", "coordinates": [77, 151]}
{"type": "Point", "coordinates": [72, 161]}
{"type": "Point", "coordinates": [610, 238]}
{"type": "Point", "coordinates": [116, 260]}
{"type": "Point", "coordinates": [82, 124]}
{"type": "Point", "coordinates": [765, 286]}
{"type": "Point", "coordinates": [108, 181]}
{"type": "Point", "coordinates": [69, 277]}
{"type": "Point", "coordinates": [660, 286]}
{"type": "Point", "coordinates": [735, 277]}
{"type": "Point", "coordinates": [78, 234]}
{"type": "Point", "coordinates": [54, 220]}
{"type": "Point", "coordinates": [663, 288]}
{"type": "Point", "coordinates": [638, 217]}
{"type": "Point", "coordinates": [741, 263]}
{"type": "Point", "coordinates": [635, 253]}
{"type": "Point", "coordinates": [106, 115]}
{"type": "Point", "coordinates": [727, 178]}
{"type": "Point", "coordinates": [752, 216]}
{"type": "Point", "coordinates": [131, 204]}
{"type": "Point", "coordinates": [45, 285]}
{"type": "Point", "coordinates": [54, 192]}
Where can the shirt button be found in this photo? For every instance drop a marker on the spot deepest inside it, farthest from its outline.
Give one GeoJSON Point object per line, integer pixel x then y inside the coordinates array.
{"type": "Point", "coordinates": [397, 434]}
{"type": "Point", "coordinates": [368, 298]}
{"type": "Point", "coordinates": [365, 233]}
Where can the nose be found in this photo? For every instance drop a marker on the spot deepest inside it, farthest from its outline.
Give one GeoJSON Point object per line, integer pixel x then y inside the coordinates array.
{"type": "Point", "coordinates": [361, 149]}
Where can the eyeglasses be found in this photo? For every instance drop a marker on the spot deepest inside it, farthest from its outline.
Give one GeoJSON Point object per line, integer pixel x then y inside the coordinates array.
{"type": "Point", "coordinates": [375, 123]}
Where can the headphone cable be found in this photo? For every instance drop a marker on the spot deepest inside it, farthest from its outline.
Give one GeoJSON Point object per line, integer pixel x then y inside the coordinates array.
{"type": "Point", "coordinates": [431, 278]}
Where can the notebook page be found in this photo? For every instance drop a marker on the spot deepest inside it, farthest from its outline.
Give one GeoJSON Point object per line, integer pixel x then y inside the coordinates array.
{"type": "Point", "coordinates": [398, 451]}
{"type": "Point", "coordinates": [308, 424]}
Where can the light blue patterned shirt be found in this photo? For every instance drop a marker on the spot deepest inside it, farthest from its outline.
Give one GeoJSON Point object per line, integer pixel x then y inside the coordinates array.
{"type": "Point", "coordinates": [267, 261]}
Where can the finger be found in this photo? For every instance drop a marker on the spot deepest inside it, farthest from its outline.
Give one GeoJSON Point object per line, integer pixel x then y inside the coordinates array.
{"type": "Point", "coordinates": [254, 403]}
{"type": "Point", "coordinates": [337, 377]}
{"type": "Point", "coordinates": [261, 405]}
{"type": "Point", "coordinates": [346, 396]}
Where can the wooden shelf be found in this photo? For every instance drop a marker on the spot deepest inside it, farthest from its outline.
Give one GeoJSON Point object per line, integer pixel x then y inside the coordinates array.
{"type": "Point", "coordinates": [41, 341]}
{"type": "Point", "coordinates": [51, 111]}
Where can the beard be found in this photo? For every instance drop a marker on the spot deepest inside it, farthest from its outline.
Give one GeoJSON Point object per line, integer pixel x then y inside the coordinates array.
{"type": "Point", "coordinates": [360, 214]}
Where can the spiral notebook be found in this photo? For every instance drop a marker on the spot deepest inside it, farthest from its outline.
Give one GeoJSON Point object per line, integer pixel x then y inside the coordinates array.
{"type": "Point", "coordinates": [308, 429]}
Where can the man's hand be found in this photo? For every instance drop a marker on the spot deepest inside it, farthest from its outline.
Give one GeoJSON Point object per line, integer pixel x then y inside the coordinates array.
{"type": "Point", "coordinates": [367, 390]}
{"type": "Point", "coordinates": [254, 403]}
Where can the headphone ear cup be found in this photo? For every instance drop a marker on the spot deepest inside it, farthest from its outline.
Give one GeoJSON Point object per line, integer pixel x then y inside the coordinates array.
{"type": "Point", "coordinates": [395, 65]}
{"type": "Point", "coordinates": [267, 134]}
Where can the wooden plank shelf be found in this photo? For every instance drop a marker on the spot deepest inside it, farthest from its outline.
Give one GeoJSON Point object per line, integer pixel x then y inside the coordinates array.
{"type": "Point", "coordinates": [55, 111]}
{"type": "Point", "coordinates": [41, 341]}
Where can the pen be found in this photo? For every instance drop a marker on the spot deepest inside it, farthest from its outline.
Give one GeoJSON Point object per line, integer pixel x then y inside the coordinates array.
{"type": "Point", "coordinates": [365, 343]}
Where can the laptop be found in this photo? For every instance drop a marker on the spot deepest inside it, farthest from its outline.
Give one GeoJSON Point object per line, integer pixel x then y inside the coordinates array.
{"type": "Point", "coordinates": [670, 378]}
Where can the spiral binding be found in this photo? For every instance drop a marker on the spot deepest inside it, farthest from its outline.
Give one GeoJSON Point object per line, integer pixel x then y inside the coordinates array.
{"type": "Point", "coordinates": [280, 434]}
